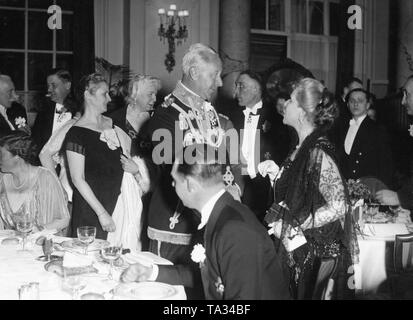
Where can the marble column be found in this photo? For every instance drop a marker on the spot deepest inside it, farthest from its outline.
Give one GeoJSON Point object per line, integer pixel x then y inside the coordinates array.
{"type": "Point", "coordinates": [405, 41]}
{"type": "Point", "coordinates": [234, 41]}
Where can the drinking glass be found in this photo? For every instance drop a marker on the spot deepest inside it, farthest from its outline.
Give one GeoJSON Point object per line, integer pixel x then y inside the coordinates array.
{"type": "Point", "coordinates": [86, 235]}
{"type": "Point", "coordinates": [74, 282]}
{"type": "Point", "coordinates": [24, 224]}
{"type": "Point", "coordinates": [111, 253]}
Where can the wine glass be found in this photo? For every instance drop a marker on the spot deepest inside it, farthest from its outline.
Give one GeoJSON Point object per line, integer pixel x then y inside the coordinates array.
{"type": "Point", "coordinates": [24, 224]}
{"type": "Point", "coordinates": [74, 282]}
{"type": "Point", "coordinates": [111, 253]}
{"type": "Point", "coordinates": [86, 236]}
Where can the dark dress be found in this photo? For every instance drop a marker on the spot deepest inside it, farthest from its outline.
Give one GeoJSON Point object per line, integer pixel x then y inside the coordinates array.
{"type": "Point", "coordinates": [298, 188]}
{"type": "Point", "coordinates": [103, 173]}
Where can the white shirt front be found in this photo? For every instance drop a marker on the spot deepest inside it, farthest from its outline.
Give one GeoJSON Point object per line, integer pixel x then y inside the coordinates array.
{"type": "Point", "coordinates": [249, 137]}
{"type": "Point", "coordinates": [208, 207]}
{"type": "Point", "coordinates": [352, 132]}
{"type": "Point", "coordinates": [3, 112]}
{"type": "Point", "coordinates": [205, 214]}
{"type": "Point", "coordinates": [60, 118]}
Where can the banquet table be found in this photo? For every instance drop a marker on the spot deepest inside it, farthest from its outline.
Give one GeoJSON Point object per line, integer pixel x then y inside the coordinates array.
{"type": "Point", "coordinates": [376, 254]}
{"type": "Point", "coordinates": [20, 268]}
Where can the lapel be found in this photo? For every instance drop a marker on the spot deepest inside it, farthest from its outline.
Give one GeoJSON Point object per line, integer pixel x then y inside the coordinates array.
{"type": "Point", "coordinates": [213, 218]}
{"type": "Point", "coordinates": [3, 123]}
{"type": "Point", "coordinates": [361, 134]}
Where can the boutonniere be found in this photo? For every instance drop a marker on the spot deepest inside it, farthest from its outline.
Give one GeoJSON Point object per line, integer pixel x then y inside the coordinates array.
{"type": "Point", "coordinates": [109, 136]}
{"type": "Point", "coordinates": [20, 122]}
{"type": "Point", "coordinates": [411, 130]}
{"type": "Point", "coordinates": [266, 127]}
{"type": "Point", "coordinates": [198, 254]}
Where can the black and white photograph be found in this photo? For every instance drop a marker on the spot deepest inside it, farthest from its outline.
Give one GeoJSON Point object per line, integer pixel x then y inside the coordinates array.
{"type": "Point", "coordinates": [192, 153]}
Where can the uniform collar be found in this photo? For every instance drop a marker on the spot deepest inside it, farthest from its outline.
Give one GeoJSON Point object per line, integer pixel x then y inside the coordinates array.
{"type": "Point", "coordinates": [188, 97]}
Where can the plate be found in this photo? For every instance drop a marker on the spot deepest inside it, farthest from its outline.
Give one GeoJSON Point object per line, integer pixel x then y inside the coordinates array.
{"type": "Point", "coordinates": [145, 258]}
{"type": "Point", "coordinates": [7, 233]}
{"type": "Point", "coordinates": [145, 291]}
{"type": "Point", "coordinates": [77, 245]}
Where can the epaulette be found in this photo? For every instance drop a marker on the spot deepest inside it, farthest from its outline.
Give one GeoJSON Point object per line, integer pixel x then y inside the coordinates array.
{"type": "Point", "coordinates": [169, 100]}
{"type": "Point", "coordinates": [223, 116]}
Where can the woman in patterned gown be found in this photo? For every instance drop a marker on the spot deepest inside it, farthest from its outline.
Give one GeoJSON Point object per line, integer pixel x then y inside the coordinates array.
{"type": "Point", "coordinates": [93, 154]}
{"type": "Point", "coordinates": [311, 214]}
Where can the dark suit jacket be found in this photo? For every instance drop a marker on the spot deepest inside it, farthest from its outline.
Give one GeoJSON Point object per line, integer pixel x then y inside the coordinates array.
{"type": "Point", "coordinates": [43, 125]}
{"type": "Point", "coordinates": [15, 111]}
{"type": "Point", "coordinates": [241, 262]}
{"type": "Point", "coordinates": [370, 155]}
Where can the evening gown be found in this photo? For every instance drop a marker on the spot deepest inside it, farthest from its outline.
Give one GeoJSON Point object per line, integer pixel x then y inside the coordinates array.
{"type": "Point", "coordinates": [103, 173]}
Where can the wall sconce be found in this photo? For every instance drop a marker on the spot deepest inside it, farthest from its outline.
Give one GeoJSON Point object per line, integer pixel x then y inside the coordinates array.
{"type": "Point", "coordinates": [168, 32]}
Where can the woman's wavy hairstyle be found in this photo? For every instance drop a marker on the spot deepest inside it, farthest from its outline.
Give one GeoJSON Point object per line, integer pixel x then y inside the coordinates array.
{"type": "Point", "coordinates": [317, 102]}
{"type": "Point", "coordinates": [88, 83]}
{"type": "Point", "coordinates": [21, 144]}
{"type": "Point", "coordinates": [137, 83]}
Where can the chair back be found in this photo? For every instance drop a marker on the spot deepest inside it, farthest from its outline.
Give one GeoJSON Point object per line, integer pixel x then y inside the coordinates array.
{"type": "Point", "coordinates": [399, 248]}
{"type": "Point", "coordinates": [324, 285]}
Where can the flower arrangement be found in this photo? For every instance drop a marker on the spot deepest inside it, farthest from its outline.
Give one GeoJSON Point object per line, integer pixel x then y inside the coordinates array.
{"type": "Point", "coordinates": [358, 190]}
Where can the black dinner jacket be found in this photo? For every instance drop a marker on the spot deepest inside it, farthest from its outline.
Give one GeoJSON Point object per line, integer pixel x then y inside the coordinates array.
{"type": "Point", "coordinates": [15, 111]}
{"type": "Point", "coordinates": [370, 154]}
{"type": "Point", "coordinates": [43, 125]}
{"type": "Point", "coordinates": [241, 262]}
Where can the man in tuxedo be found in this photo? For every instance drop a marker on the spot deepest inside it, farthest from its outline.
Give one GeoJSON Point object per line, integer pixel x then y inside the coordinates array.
{"type": "Point", "coordinates": [404, 196]}
{"type": "Point", "coordinates": [364, 150]}
{"type": "Point", "coordinates": [12, 114]}
{"type": "Point", "coordinates": [236, 256]}
{"type": "Point", "coordinates": [254, 126]}
{"type": "Point", "coordinates": [58, 110]}
{"type": "Point", "coordinates": [345, 115]}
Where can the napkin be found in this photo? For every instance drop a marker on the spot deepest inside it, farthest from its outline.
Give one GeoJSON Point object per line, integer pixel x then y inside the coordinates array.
{"type": "Point", "coordinates": [76, 260]}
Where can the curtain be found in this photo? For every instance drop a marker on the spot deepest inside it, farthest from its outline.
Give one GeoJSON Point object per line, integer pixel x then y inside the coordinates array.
{"type": "Point", "coordinates": [83, 40]}
{"type": "Point", "coordinates": [345, 58]}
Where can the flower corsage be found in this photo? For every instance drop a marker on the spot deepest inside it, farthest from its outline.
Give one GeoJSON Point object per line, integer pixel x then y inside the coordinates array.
{"type": "Point", "coordinates": [20, 122]}
{"type": "Point", "coordinates": [109, 136]}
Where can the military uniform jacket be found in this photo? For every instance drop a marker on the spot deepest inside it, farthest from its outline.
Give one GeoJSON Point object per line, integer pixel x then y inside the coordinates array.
{"type": "Point", "coordinates": [168, 220]}
{"type": "Point", "coordinates": [370, 154]}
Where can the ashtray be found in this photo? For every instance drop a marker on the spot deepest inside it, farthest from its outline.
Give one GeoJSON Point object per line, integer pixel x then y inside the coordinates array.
{"type": "Point", "coordinates": [52, 258]}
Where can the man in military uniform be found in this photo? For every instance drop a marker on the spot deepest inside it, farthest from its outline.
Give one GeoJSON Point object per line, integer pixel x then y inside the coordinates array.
{"type": "Point", "coordinates": [187, 117]}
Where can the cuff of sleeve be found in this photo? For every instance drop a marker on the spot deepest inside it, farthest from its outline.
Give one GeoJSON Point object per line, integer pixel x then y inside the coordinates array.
{"type": "Point", "coordinates": [154, 274]}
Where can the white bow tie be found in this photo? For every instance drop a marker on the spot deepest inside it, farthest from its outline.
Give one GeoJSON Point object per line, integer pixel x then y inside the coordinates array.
{"type": "Point", "coordinates": [59, 108]}
{"type": "Point", "coordinates": [353, 122]}
{"type": "Point", "coordinates": [248, 112]}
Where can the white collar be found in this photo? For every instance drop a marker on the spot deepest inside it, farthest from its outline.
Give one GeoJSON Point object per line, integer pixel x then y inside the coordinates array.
{"type": "Point", "coordinates": [358, 121]}
{"type": "Point", "coordinates": [254, 109]}
{"type": "Point", "coordinates": [2, 108]}
{"type": "Point", "coordinates": [208, 207]}
{"type": "Point", "coordinates": [189, 90]}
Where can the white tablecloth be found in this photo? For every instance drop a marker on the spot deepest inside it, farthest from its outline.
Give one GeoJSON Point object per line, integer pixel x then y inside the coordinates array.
{"type": "Point", "coordinates": [19, 268]}
{"type": "Point", "coordinates": [370, 273]}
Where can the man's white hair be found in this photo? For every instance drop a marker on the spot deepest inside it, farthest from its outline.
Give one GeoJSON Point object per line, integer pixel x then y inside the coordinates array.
{"type": "Point", "coordinates": [198, 53]}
